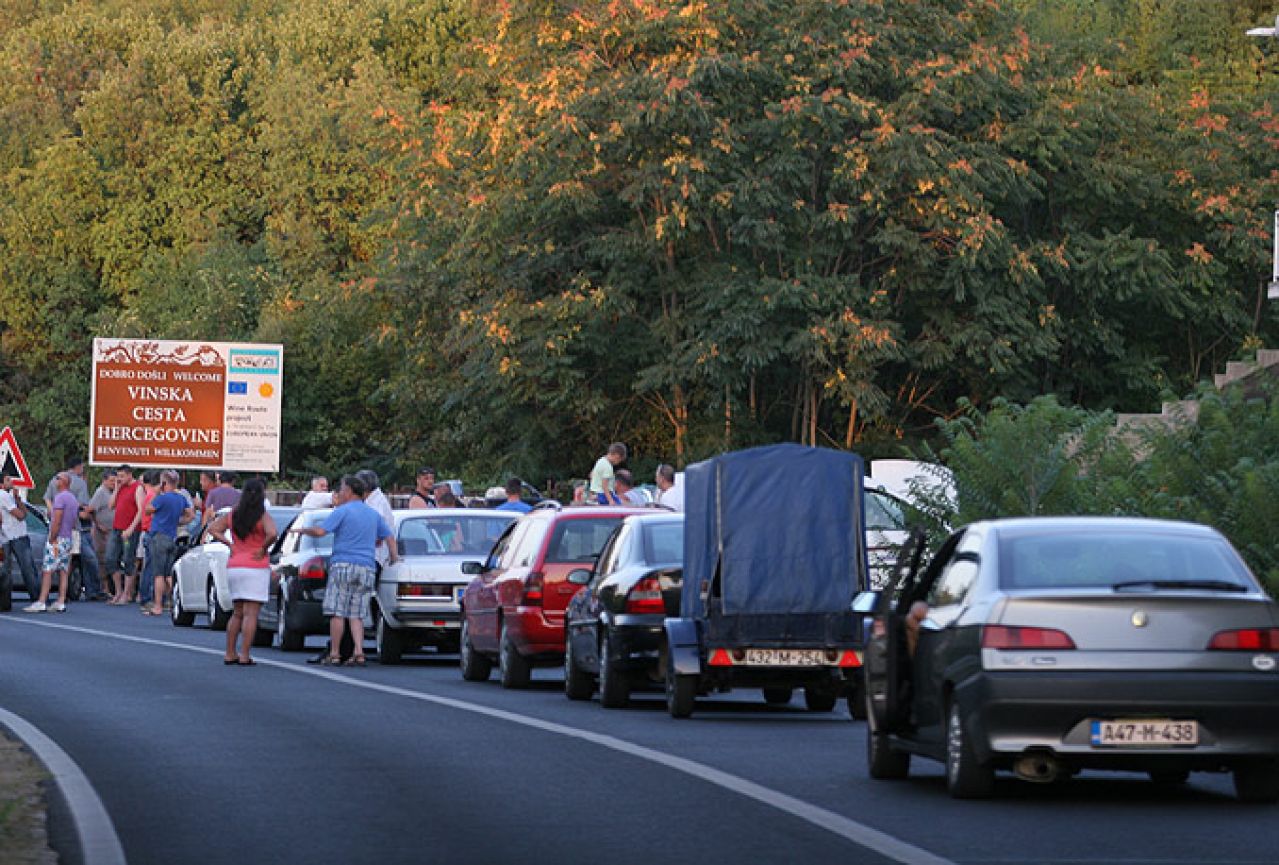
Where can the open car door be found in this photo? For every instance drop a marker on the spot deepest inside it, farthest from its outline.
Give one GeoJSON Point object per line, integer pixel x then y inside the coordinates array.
{"type": "Point", "coordinates": [886, 662]}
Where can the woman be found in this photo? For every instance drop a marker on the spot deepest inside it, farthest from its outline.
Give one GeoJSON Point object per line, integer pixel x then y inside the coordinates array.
{"type": "Point", "coordinates": [248, 571]}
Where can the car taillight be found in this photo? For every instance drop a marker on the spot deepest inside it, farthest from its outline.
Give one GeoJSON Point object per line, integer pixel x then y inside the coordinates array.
{"type": "Point", "coordinates": [1246, 640]}
{"type": "Point", "coordinates": [1007, 637]}
{"type": "Point", "coordinates": [646, 597]}
{"type": "Point", "coordinates": [313, 569]}
{"type": "Point", "coordinates": [532, 596]}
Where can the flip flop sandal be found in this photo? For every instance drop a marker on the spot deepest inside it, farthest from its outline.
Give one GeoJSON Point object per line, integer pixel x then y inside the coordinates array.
{"type": "Point", "coordinates": [332, 661]}
{"type": "Point", "coordinates": [356, 661]}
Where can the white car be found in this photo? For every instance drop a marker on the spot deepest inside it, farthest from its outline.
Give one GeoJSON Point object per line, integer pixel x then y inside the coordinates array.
{"type": "Point", "coordinates": [199, 578]}
{"type": "Point", "coordinates": [417, 597]}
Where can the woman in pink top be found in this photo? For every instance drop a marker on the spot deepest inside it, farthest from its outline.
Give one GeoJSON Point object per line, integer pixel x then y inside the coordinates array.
{"type": "Point", "coordinates": [248, 571]}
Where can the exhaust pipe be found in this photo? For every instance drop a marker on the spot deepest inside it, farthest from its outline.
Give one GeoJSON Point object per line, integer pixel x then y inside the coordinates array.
{"type": "Point", "coordinates": [1038, 768]}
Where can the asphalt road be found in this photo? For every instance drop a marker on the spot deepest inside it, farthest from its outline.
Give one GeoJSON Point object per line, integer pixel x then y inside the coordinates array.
{"type": "Point", "coordinates": [284, 763]}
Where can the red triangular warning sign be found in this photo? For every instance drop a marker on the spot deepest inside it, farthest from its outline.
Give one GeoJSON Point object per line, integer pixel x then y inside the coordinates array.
{"type": "Point", "coordinates": [12, 463]}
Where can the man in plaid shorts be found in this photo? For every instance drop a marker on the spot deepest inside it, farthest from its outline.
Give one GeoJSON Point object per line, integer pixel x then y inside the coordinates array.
{"type": "Point", "coordinates": [357, 530]}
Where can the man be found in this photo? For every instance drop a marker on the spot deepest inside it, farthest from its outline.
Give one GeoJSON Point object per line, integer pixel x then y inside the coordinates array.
{"type": "Point", "coordinates": [82, 542]}
{"type": "Point", "coordinates": [101, 515]}
{"type": "Point", "coordinates": [319, 495]}
{"type": "Point", "coordinates": [63, 515]}
{"type": "Point", "coordinates": [376, 499]}
{"type": "Point", "coordinates": [13, 522]}
{"type": "Point", "coordinates": [168, 510]}
{"type": "Point", "coordinates": [668, 494]}
{"type": "Point", "coordinates": [150, 489]}
{"type": "Point", "coordinates": [514, 489]}
{"type": "Point", "coordinates": [423, 494]}
{"type": "Point", "coordinates": [602, 489]}
{"type": "Point", "coordinates": [624, 482]}
{"type": "Point", "coordinates": [224, 495]}
{"type": "Point", "coordinates": [122, 546]}
{"type": "Point", "coordinates": [357, 532]}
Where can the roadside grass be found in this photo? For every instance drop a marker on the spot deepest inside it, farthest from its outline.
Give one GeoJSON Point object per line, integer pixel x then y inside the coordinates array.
{"type": "Point", "coordinates": [23, 814]}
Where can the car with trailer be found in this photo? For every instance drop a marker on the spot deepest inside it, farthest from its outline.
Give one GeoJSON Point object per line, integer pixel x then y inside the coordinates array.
{"type": "Point", "coordinates": [769, 578]}
{"type": "Point", "coordinates": [614, 627]}
{"type": "Point", "coordinates": [418, 597]}
{"type": "Point", "coordinates": [1051, 645]}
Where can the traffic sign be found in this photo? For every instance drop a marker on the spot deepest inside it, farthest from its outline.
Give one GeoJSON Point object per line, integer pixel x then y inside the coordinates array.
{"type": "Point", "coordinates": [11, 462]}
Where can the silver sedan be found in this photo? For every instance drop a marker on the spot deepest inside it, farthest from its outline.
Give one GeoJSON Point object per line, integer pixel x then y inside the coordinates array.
{"type": "Point", "coordinates": [1051, 645]}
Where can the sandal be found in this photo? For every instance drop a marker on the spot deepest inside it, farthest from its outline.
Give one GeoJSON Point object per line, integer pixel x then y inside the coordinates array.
{"type": "Point", "coordinates": [357, 661]}
{"type": "Point", "coordinates": [332, 661]}
{"type": "Point", "coordinates": [230, 662]}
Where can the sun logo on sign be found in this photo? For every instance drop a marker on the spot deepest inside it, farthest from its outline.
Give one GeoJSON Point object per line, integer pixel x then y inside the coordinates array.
{"type": "Point", "coordinates": [265, 389]}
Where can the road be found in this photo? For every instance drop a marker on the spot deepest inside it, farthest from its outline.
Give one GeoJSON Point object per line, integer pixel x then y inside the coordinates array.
{"type": "Point", "coordinates": [285, 762]}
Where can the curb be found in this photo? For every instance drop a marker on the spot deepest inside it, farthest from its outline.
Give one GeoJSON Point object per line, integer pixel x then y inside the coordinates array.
{"type": "Point", "coordinates": [92, 839]}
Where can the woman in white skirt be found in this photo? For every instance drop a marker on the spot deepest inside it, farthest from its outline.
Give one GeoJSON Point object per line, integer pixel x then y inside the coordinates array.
{"type": "Point", "coordinates": [248, 571]}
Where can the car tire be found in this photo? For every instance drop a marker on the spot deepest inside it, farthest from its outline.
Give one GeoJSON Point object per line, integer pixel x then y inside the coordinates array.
{"type": "Point", "coordinates": [514, 669]}
{"type": "Point", "coordinates": [475, 667]}
{"type": "Point", "coordinates": [290, 640]}
{"type": "Point", "coordinates": [178, 614]}
{"type": "Point", "coordinates": [1169, 777]}
{"type": "Point", "coordinates": [578, 684]}
{"type": "Point", "coordinates": [615, 688]}
{"type": "Point", "coordinates": [882, 761]}
{"type": "Point", "coordinates": [218, 618]}
{"type": "Point", "coordinates": [681, 692]}
{"type": "Point", "coordinates": [966, 777]}
{"type": "Point", "coordinates": [390, 642]}
{"type": "Point", "coordinates": [6, 592]}
{"type": "Point", "coordinates": [1257, 782]}
{"type": "Point", "coordinates": [778, 696]}
{"type": "Point", "coordinates": [75, 584]}
{"type": "Point", "coordinates": [820, 699]}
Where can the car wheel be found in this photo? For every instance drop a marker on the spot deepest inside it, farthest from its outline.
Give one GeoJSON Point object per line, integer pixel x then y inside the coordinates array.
{"type": "Point", "coordinates": [778, 696]}
{"type": "Point", "coordinates": [218, 617]}
{"type": "Point", "coordinates": [1257, 782]}
{"type": "Point", "coordinates": [578, 684]}
{"type": "Point", "coordinates": [819, 698]}
{"type": "Point", "coordinates": [681, 692]}
{"type": "Point", "coordinates": [615, 688]}
{"type": "Point", "coordinates": [966, 778]}
{"type": "Point", "coordinates": [883, 762]}
{"type": "Point", "coordinates": [390, 642]}
{"type": "Point", "coordinates": [290, 640]}
{"type": "Point", "coordinates": [515, 669]}
{"type": "Point", "coordinates": [6, 592]}
{"type": "Point", "coordinates": [1169, 777]}
{"type": "Point", "coordinates": [177, 613]}
{"type": "Point", "coordinates": [475, 667]}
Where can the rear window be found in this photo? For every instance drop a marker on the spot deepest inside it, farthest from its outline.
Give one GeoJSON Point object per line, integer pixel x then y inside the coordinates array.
{"type": "Point", "coordinates": [664, 543]}
{"type": "Point", "coordinates": [1104, 559]}
{"type": "Point", "coordinates": [450, 535]}
{"type": "Point", "coordinates": [580, 540]}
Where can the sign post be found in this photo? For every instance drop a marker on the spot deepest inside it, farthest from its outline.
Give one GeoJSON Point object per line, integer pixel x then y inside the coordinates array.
{"type": "Point", "coordinates": [171, 404]}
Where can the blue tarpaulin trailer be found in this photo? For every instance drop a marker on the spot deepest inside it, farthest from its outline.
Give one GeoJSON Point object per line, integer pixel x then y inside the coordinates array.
{"type": "Point", "coordinates": [774, 553]}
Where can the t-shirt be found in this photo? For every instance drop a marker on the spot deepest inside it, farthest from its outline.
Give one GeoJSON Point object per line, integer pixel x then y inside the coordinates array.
{"type": "Point", "coordinates": [147, 498]}
{"type": "Point", "coordinates": [12, 527]}
{"type": "Point", "coordinates": [126, 506]}
{"type": "Point", "coordinates": [673, 498]}
{"type": "Point", "coordinates": [221, 497]}
{"type": "Point", "coordinates": [65, 502]}
{"type": "Point", "coordinates": [316, 499]}
{"type": "Point", "coordinates": [602, 476]}
{"type": "Point", "coordinates": [378, 501]}
{"type": "Point", "coordinates": [518, 507]}
{"type": "Point", "coordinates": [356, 529]}
{"type": "Point", "coordinates": [168, 510]}
{"type": "Point", "coordinates": [100, 504]}
{"type": "Point", "coordinates": [79, 489]}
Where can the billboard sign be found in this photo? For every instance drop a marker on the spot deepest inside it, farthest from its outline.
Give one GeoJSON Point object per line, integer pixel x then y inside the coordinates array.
{"type": "Point", "coordinates": [174, 404]}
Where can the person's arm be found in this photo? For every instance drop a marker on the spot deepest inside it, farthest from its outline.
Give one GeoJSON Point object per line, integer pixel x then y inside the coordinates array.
{"type": "Point", "coordinates": [271, 531]}
{"type": "Point", "coordinates": [19, 509]}
{"type": "Point", "coordinates": [55, 523]}
{"type": "Point", "coordinates": [139, 496]}
{"type": "Point", "coordinates": [217, 530]}
{"type": "Point", "coordinates": [417, 501]}
{"type": "Point", "coordinates": [188, 514]}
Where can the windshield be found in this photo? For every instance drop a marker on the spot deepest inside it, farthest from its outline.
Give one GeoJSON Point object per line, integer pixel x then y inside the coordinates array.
{"type": "Point", "coordinates": [883, 512]}
{"type": "Point", "coordinates": [450, 535]}
{"type": "Point", "coordinates": [1118, 559]}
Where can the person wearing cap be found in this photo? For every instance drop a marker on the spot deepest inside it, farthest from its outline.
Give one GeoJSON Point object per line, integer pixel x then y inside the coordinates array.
{"type": "Point", "coordinates": [423, 494]}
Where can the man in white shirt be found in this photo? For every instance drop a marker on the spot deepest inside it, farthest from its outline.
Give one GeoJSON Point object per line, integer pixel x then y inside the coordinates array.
{"type": "Point", "coordinates": [319, 495]}
{"type": "Point", "coordinates": [377, 500]}
{"type": "Point", "coordinates": [13, 523]}
{"type": "Point", "coordinates": [668, 493]}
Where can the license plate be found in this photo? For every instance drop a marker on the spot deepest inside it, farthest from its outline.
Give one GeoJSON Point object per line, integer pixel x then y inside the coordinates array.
{"type": "Point", "coordinates": [458, 592]}
{"type": "Point", "coordinates": [786, 658]}
{"type": "Point", "coordinates": [1144, 733]}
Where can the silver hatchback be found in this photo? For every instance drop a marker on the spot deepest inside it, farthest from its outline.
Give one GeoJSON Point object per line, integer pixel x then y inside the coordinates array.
{"type": "Point", "coordinates": [1051, 645]}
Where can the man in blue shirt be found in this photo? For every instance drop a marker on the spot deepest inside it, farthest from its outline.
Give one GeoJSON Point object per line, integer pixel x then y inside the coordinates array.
{"type": "Point", "coordinates": [168, 509]}
{"type": "Point", "coordinates": [357, 530]}
{"type": "Point", "coordinates": [514, 488]}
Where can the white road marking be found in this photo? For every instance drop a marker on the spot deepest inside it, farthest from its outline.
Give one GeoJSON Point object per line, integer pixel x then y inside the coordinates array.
{"type": "Point", "coordinates": [859, 833]}
{"type": "Point", "coordinates": [96, 834]}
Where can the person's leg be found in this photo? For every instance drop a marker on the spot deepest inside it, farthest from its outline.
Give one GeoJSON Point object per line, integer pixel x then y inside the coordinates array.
{"type": "Point", "coordinates": [21, 548]}
{"type": "Point", "coordinates": [233, 628]}
{"type": "Point", "coordinates": [337, 626]}
{"type": "Point", "coordinates": [112, 565]}
{"type": "Point", "coordinates": [130, 565]}
{"type": "Point", "coordinates": [162, 562]}
{"type": "Point", "coordinates": [89, 565]}
{"type": "Point", "coordinates": [357, 636]}
{"type": "Point", "coordinates": [63, 578]}
{"type": "Point", "coordinates": [46, 584]}
{"type": "Point", "coordinates": [145, 585]}
{"type": "Point", "coordinates": [248, 627]}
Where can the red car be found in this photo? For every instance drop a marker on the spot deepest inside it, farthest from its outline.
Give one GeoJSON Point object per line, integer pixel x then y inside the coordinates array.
{"type": "Point", "coordinates": [513, 611]}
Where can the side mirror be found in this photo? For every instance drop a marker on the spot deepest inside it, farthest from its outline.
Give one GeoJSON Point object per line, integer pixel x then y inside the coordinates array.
{"type": "Point", "coordinates": [472, 569]}
{"type": "Point", "coordinates": [579, 576]}
{"type": "Point", "coordinates": [867, 603]}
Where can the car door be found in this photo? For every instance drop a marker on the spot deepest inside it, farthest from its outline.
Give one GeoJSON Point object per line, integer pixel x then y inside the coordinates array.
{"type": "Point", "coordinates": [582, 618]}
{"type": "Point", "coordinates": [190, 572]}
{"type": "Point", "coordinates": [480, 598]}
{"type": "Point", "coordinates": [885, 660]}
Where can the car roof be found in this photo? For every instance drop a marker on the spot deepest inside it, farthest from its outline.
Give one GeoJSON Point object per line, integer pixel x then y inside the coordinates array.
{"type": "Point", "coordinates": [1086, 524]}
{"type": "Point", "coordinates": [652, 516]}
{"type": "Point", "coordinates": [588, 512]}
{"type": "Point", "coordinates": [421, 513]}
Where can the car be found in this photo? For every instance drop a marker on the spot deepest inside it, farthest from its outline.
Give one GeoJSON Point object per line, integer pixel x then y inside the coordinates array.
{"type": "Point", "coordinates": [418, 596]}
{"type": "Point", "coordinates": [770, 579]}
{"type": "Point", "coordinates": [299, 576]}
{"type": "Point", "coordinates": [10, 576]}
{"type": "Point", "coordinates": [614, 627]}
{"type": "Point", "coordinates": [199, 577]}
{"type": "Point", "coordinates": [513, 609]}
{"type": "Point", "coordinates": [1052, 645]}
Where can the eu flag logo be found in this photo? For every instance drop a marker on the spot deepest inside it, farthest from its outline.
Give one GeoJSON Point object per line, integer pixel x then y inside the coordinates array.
{"type": "Point", "coordinates": [238, 387]}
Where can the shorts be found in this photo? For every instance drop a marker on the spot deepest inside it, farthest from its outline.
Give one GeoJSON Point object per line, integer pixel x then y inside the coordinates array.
{"type": "Point", "coordinates": [349, 590]}
{"type": "Point", "coordinates": [162, 552]}
{"type": "Point", "coordinates": [120, 552]}
{"type": "Point", "coordinates": [57, 555]}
